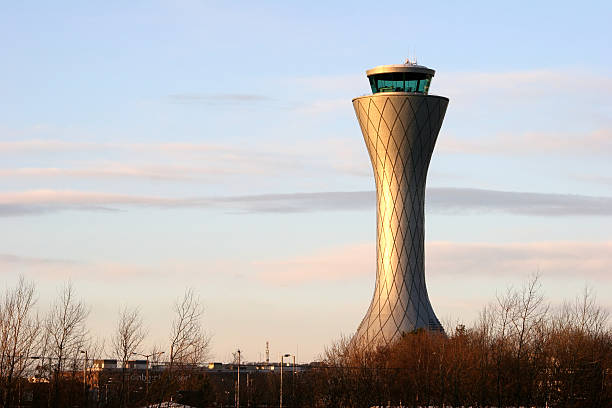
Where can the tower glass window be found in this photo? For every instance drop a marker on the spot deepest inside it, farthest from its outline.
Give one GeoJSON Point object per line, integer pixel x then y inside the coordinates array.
{"type": "Point", "coordinates": [400, 82]}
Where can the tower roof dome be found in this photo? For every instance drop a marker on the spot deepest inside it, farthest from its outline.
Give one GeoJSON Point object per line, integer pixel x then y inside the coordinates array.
{"type": "Point", "coordinates": [397, 68]}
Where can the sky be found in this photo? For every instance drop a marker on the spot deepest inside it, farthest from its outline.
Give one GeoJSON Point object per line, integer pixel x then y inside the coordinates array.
{"type": "Point", "coordinates": [149, 147]}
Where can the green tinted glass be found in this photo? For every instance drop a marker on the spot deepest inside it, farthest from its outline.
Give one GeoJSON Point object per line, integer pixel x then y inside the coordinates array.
{"type": "Point", "coordinates": [400, 82]}
{"type": "Point", "coordinates": [411, 86]}
{"type": "Point", "coordinates": [373, 85]}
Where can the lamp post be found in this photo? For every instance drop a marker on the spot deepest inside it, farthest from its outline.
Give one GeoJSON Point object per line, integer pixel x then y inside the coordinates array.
{"type": "Point", "coordinates": [293, 383]}
{"type": "Point", "coordinates": [147, 371]}
{"type": "Point", "coordinates": [85, 376]}
{"type": "Point", "coordinates": [281, 378]}
{"type": "Point", "coordinates": [238, 383]}
{"type": "Point", "coordinates": [42, 367]}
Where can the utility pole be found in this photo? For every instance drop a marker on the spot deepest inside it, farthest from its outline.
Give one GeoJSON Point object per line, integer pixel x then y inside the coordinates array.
{"type": "Point", "coordinates": [147, 371]}
{"type": "Point", "coordinates": [85, 396]}
{"type": "Point", "coordinates": [281, 377]}
{"type": "Point", "coordinates": [248, 391]}
{"type": "Point", "coordinates": [281, 382]}
{"type": "Point", "coordinates": [293, 383]}
{"type": "Point", "coordinates": [238, 382]}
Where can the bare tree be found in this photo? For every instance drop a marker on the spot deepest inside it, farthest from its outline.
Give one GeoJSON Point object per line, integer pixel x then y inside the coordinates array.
{"type": "Point", "coordinates": [129, 334]}
{"type": "Point", "coordinates": [128, 337]}
{"type": "Point", "coordinates": [93, 349]}
{"type": "Point", "coordinates": [66, 333]}
{"type": "Point", "coordinates": [530, 308]}
{"type": "Point", "coordinates": [189, 343]}
{"type": "Point", "coordinates": [19, 337]}
{"type": "Point", "coordinates": [156, 353]}
{"type": "Point", "coordinates": [585, 315]}
{"type": "Point", "coordinates": [528, 313]}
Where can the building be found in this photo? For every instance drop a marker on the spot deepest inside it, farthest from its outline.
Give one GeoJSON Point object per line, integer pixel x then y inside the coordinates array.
{"type": "Point", "coordinates": [104, 364]}
{"type": "Point", "coordinates": [400, 124]}
{"type": "Point", "coordinates": [137, 364]}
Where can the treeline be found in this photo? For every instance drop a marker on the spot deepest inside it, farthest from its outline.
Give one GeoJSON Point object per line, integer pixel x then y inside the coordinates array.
{"type": "Point", "coordinates": [48, 360]}
{"type": "Point", "coordinates": [520, 352]}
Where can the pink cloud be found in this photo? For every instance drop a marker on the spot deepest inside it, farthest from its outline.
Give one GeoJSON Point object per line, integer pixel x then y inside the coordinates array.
{"type": "Point", "coordinates": [54, 268]}
{"type": "Point", "coordinates": [118, 170]}
{"type": "Point", "coordinates": [336, 264]}
{"type": "Point", "coordinates": [597, 142]}
{"type": "Point", "coordinates": [563, 259]}
{"type": "Point", "coordinates": [68, 197]}
{"type": "Point", "coordinates": [592, 260]}
{"type": "Point", "coordinates": [579, 260]}
{"type": "Point", "coordinates": [444, 200]}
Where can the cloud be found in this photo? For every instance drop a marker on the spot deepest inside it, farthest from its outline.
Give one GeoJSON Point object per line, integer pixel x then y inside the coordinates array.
{"type": "Point", "coordinates": [301, 202]}
{"type": "Point", "coordinates": [67, 197]}
{"type": "Point", "coordinates": [599, 179]}
{"type": "Point", "coordinates": [589, 260]}
{"type": "Point", "coordinates": [591, 143]}
{"type": "Point", "coordinates": [8, 260]}
{"type": "Point", "coordinates": [41, 145]}
{"type": "Point", "coordinates": [468, 200]}
{"type": "Point", "coordinates": [571, 260]}
{"type": "Point", "coordinates": [337, 264]}
{"type": "Point", "coordinates": [43, 201]}
{"type": "Point", "coordinates": [52, 268]}
{"type": "Point", "coordinates": [215, 99]}
{"type": "Point", "coordinates": [121, 171]}
{"type": "Point", "coordinates": [50, 146]}
{"type": "Point", "coordinates": [68, 146]}
{"type": "Point", "coordinates": [584, 261]}
{"type": "Point", "coordinates": [211, 162]}
{"type": "Point", "coordinates": [455, 201]}
{"type": "Point", "coordinates": [197, 161]}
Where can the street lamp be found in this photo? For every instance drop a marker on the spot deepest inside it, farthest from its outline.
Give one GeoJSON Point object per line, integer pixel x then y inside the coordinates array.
{"type": "Point", "coordinates": [293, 382]}
{"type": "Point", "coordinates": [85, 375]}
{"type": "Point", "coordinates": [147, 371]}
{"type": "Point", "coordinates": [281, 377]}
{"type": "Point", "coordinates": [238, 383]}
{"type": "Point", "coordinates": [42, 367]}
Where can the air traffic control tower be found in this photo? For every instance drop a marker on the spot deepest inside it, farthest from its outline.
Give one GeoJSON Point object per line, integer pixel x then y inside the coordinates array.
{"type": "Point", "coordinates": [400, 124]}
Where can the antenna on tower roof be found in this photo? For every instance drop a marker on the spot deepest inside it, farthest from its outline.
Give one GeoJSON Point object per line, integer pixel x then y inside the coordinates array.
{"type": "Point", "coordinates": [411, 62]}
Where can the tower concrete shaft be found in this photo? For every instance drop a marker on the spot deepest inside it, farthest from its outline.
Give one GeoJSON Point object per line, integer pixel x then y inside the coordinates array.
{"type": "Point", "coordinates": [400, 130]}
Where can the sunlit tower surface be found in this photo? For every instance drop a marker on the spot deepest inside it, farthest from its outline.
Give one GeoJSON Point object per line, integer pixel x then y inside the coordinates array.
{"type": "Point", "coordinates": [400, 124]}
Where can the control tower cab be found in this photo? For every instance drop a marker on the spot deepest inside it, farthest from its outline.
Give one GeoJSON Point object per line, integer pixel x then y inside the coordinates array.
{"type": "Point", "coordinates": [408, 77]}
